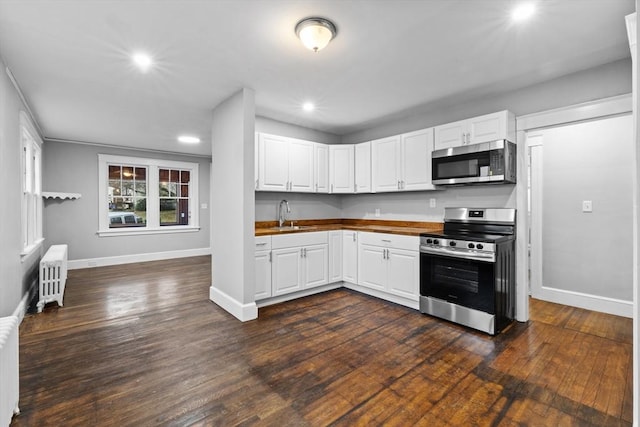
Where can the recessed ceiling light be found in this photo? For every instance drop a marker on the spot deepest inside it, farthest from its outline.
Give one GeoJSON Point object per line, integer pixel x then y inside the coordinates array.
{"type": "Point", "coordinates": [186, 139]}
{"type": "Point", "coordinates": [523, 12]}
{"type": "Point", "coordinates": [308, 106]}
{"type": "Point", "coordinates": [142, 61]}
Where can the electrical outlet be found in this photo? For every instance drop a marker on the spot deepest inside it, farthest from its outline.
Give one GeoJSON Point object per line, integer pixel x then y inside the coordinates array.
{"type": "Point", "coordinates": [377, 213]}
{"type": "Point", "coordinates": [432, 203]}
{"type": "Point", "coordinates": [587, 206]}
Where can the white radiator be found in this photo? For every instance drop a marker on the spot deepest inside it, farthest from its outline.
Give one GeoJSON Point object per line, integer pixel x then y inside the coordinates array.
{"type": "Point", "coordinates": [9, 383]}
{"type": "Point", "coordinates": [53, 276]}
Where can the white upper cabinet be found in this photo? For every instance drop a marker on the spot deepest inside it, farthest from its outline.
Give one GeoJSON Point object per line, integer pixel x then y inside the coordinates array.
{"type": "Point", "coordinates": [321, 168]}
{"type": "Point", "coordinates": [416, 160]}
{"type": "Point", "coordinates": [301, 166]}
{"type": "Point", "coordinates": [285, 164]}
{"type": "Point", "coordinates": [341, 168]}
{"type": "Point", "coordinates": [403, 162]}
{"type": "Point", "coordinates": [363, 167]}
{"type": "Point", "coordinates": [489, 127]}
{"type": "Point", "coordinates": [385, 164]}
{"type": "Point", "coordinates": [273, 158]}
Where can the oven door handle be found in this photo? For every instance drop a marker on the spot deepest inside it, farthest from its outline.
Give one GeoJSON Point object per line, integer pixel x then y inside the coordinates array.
{"type": "Point", "coordinates": [473, 256]}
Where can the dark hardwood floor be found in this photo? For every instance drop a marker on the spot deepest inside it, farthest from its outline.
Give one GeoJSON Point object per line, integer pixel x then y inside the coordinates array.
{"type": "Point", "coordinates": [141, 345]}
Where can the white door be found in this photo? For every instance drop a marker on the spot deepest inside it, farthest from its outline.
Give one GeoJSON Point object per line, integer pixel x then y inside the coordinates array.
{"type": "Point", "coordinates": [450, 135]}
{"type": "Point", "coordinates": [263, 274]}
{"type": "Point", "coordinates": [286, 270]}
{"type": "Point", "coordinates": [350, 256]}
{"type": "Point", "coordinates": [489, 127]}
{"type": "Point", "coordinates": [273, 169]}
{"type": "Point", "coordinates": [321, 168]}
{"type": "Point", "coordinates": [404, 273]}
{"type": "Point", "coordinates": [341, 165]}
{"type": "Point", "coordinates": [416, 160]}
{"type": "Point", "coordinates": [316, 266]}
{"type": "Point", "coordinates": [372, 267]}
{"type": "Point", "coordinates": [335, 256]}
{"type": "Point", "coordinates": [385, 164]}
{"type": "Point", "coordinates": [363, 167]}
{"type": "Point", "coordinates": [301, 166]}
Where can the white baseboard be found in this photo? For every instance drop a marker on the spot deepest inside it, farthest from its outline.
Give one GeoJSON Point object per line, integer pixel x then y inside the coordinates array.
{"type": "Point", "coordinates": [21, 309]}
{"type": "Point", "coordinates": [587, 301]}
{"type": "Point", "coordinates": [128, 259]}
{"type": "Point", "coordinates": [415, 304]}
{"type": "Point", "coordinates": [296, 295]}
{"type": "Point", "coordinates": [240, 311]}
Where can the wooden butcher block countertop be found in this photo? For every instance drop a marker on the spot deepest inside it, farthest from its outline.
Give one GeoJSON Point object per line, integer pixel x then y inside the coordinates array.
{"type": "Point", "coordinates": [409, 228]}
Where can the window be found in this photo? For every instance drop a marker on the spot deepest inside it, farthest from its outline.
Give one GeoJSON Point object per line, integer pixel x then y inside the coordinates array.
{"type": "Point", "coordinates": [31, 172]}
{"type": "Point", "coordinates": [140, 195]}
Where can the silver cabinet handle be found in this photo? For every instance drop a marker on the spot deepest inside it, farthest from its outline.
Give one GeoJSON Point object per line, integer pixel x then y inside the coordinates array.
{"type": "Point", "coordinates": [386, 240]}
{"type": "Point", "coordinates": [463, 137]}
{"type": "Point", "coordinates": [354, 236]}
{"type": "Point", "coordinates": [257, 180]}
{"type": "Point", "coordinates": [261, 244]}
{"type": "Point", "coordinates": [270, 256]}
{"type": "Point", "coordinates": [388, 254]}
{"type": "Point", "coordinates": [305, 252]}
{"type": "Point", "coordinates": [384, 254]}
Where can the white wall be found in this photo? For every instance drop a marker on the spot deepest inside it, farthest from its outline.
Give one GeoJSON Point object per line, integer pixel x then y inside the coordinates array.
{"type": "Point", "coordinates": [17, 277]}
{"type": "Point", "coordinates": [73, 168]}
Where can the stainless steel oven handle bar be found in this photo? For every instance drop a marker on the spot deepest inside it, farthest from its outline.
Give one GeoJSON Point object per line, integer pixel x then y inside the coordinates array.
{"type": "Point", "coordinates": [472, 256]}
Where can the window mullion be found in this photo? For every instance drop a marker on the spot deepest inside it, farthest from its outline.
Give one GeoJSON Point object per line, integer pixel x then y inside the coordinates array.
{"type": "Point", "coordinates": [153, 197]}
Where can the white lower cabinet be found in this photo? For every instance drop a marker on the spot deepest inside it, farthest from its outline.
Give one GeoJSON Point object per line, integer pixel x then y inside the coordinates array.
{"type": "Point", "coordinates": [263, 267]}
{"type": "Point", "coordinates": [335, 256]}
{"type": "Point", "coordinates": [350, 256]}
{"type": "Point", "coordinates": [299, 261]}
{"type": "Point", "coordinates": [389, 263]}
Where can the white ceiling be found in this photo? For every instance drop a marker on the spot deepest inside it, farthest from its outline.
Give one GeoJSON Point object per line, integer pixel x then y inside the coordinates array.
{"type": "Point", "coordinates": [71, 59]}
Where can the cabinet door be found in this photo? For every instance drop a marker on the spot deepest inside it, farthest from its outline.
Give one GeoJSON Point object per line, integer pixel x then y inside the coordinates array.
{"type": "Point", "coordinates": [416, 160]}
{"type": "Point", "coordinates": [301, 166]}
{"type": "Point", "coordinates": [489, 127]}
{"type": "Point", "coordinates": [263, 274]}
{"type": "Point", "coordinates": [350, 256]}
{"type": "Point", "coordinates": [321, 168]}
{"type": "Point", "coordinates": [341, 165]}
{"type": "Point", "coordinates": [273, 169]}
{"type": "Point", "coordinates": [450, 135]}
{"type": "Point", "coordinates": [363, 167]}
{"type": "Point", "coordinates": [372, 267]}
{"type": "Point", "coordinates": [385, 164]}
{"type": "Point", "coordinates": [316, 266]}
{"type": "Point", "coordinates": [404, 273]}
{"type": "Point", "coordinates": [286, 271]}
{"type": "Point", "coordinates": [335, 256]}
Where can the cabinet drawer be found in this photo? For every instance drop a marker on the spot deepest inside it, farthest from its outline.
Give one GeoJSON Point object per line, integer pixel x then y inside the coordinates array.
{"type": "Point", "coordinates": [397, 241]}
{"type": "Point", "coordinates": [299, 239]}
{"type": "Point", "coordinates": [263, 243]}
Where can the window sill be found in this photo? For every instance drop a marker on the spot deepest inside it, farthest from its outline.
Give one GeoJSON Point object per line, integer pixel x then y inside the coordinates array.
{"type": "Point", "coordinates": [135, 231]}
{"type": "Point", "coordinates": [31, 249]}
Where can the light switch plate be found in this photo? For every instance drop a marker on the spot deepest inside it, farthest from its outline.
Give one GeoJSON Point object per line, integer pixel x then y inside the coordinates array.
{"type": "Point", "coordinates": [587, 206]}
{"type": "Point", "coordinates": [432, 203]}
{"type": "Point", "coordinates": [377, 213]}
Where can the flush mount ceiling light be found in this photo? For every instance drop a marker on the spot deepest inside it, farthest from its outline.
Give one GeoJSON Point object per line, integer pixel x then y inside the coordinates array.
{"type": "Point", "coordinates": [315, 33]}
{"type": "Point", "coordinates": [187, 139]}
{"type": "Point", "coordinates": [308, 106]}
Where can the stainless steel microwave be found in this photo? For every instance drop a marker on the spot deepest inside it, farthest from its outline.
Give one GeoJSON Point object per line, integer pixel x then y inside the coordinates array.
{"type": "Point", "coordinates": [485, 163]}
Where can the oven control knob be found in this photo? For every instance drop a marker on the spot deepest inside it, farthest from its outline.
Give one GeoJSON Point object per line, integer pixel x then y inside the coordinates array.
{"type": "Point", "coordinates": [429, 241]}
{"type": "Point", "coordinates": [452, 243]}
{"type": "Point", "coordinates": [471, 245]}
{"type": "Point", "coordinates": [479, 246]}
{"type": "Point", "coordinates": [436, 242]}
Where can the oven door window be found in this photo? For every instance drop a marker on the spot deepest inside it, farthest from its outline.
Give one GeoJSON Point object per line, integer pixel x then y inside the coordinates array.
{"type": "Point", "coordinates": [461, 166]}
{"type": "Point", "coordinates": [464, 282]}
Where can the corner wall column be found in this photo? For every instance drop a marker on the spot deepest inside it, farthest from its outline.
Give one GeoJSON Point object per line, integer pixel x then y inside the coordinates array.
{"type": "Point", "coordinates": [233, 206]}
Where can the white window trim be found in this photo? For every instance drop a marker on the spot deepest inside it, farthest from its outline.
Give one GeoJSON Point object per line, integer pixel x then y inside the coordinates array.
{"type": "Point", "coordinates": [152, 165]}
{"type": "Point", "coordinates": [31, 233]}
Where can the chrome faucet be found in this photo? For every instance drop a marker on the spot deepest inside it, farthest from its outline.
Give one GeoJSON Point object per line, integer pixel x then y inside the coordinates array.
{"type": "Point", "coordinates": [282, 216]}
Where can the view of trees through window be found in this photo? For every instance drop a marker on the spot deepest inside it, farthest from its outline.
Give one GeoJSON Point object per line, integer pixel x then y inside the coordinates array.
{"type": "Point", "coordinates": [127, 196]}
{"type": "Point", "coordinates": [174, 196]}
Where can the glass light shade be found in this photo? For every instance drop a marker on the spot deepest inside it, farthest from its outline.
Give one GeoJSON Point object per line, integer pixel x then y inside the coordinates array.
{"type": "Point", "coordinates": [315, 33]}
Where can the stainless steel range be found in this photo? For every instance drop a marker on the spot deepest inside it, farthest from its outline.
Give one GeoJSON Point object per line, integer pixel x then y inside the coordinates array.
{"type": "Point", "coordinates": [467, 271]}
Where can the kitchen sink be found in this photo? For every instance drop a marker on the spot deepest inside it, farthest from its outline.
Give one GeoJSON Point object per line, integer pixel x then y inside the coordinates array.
{"type": "Point", "coordinates": [292, 228]}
